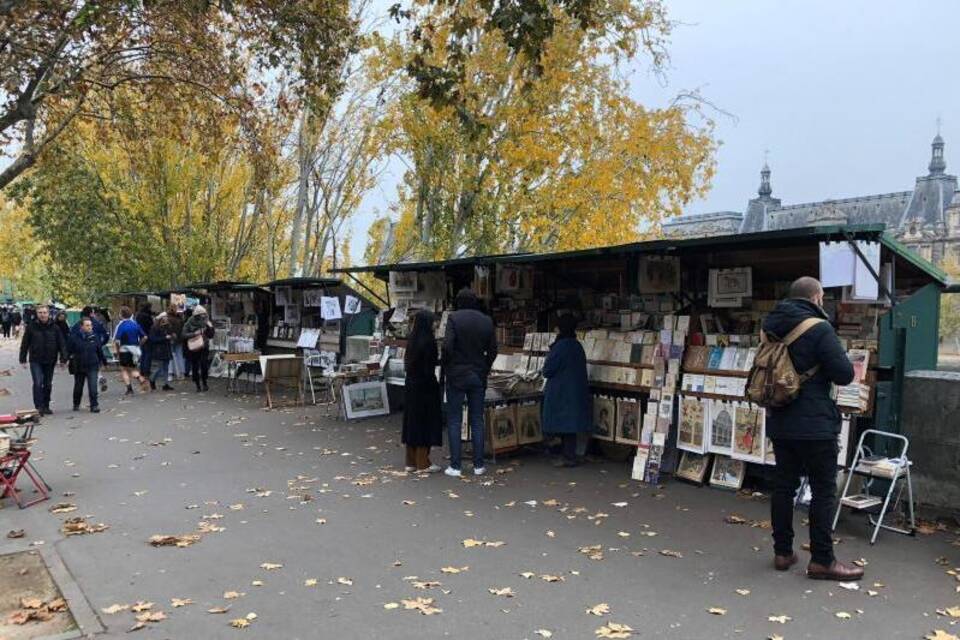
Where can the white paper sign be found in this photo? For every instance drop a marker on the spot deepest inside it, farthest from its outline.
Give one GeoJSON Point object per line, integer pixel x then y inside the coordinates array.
{"type": "Point", "coordinates": [836, 264]}
{"type": "Point", "coordinates": [351, 305]}
{"type": "Point", "coordinates": [330, 308]}
{"type": "Point", "coordinates": [865, 286]}
{"type": "Point", "coordinates": [308, 338]}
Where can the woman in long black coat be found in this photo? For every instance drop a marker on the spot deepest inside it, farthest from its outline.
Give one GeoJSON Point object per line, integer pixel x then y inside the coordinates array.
{"type": "Point", "coordinates": [422, 419]}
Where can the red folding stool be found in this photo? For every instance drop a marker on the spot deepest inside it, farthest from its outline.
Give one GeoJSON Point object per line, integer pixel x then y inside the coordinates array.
{"type": "Point", "coordinates": [17, 460]}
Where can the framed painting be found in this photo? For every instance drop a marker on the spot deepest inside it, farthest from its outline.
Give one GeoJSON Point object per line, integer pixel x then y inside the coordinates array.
{"type": "Point", "coordinates": [727, 473]}
{"type": "Point", "coordinates": [748, 433]}
{"type": "Point", "coordinates": [365, 399]}
{"type": "Point", "coordinates": [628, 421]}
{"type": "Point", "coordinates": [693, 466]}
{"type": "Point", "coordinates": [721, 427]}
{"type": "Point", "coordinates": [503, 427]}
{"type": "Point", "coordinates": [604, 417]}
{"type": "Point", "coordinates": [528, 421]}
{"type": "Point", "coordinates": [659, 274]}
{"type": "Point", "coordinates": [403, 281]}
{"type": "Point", "coordinates": [690, 435]}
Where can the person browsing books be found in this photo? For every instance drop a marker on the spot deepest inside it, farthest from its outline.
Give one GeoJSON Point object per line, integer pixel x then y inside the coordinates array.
{"type": "Point", "coordinates": [566, 396]}
{"type": "Point", "coordinates": [804, 431]}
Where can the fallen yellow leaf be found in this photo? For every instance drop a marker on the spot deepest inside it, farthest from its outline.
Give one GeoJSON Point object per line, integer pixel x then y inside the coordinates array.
{"type": "Point", "coordinates": [717, 611]}
{"type": "Point", "coordinates": [613, 630]}
{"type": "Point", "coordinates": [601, 609]}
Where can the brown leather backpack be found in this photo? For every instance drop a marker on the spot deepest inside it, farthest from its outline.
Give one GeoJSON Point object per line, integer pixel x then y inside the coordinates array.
{"type": "Point", "coordinates": [773, 380]}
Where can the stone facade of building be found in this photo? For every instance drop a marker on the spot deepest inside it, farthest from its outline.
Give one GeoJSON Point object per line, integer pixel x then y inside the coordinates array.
{"type": "Point", "coordinates": [927, 219]}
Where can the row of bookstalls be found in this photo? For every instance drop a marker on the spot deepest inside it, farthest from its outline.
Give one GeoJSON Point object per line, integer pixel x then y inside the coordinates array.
{"type": "Point", "coordinates": [670, 328]}
{"type": "Point", "coordinates": [304, 316]}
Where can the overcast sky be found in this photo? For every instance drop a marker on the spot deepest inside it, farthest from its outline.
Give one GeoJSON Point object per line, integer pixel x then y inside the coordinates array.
{"type": "Point", "coordinates": [843, 93]}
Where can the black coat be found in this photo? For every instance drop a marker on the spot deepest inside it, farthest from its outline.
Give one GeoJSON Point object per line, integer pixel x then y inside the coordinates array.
{"type": "Point", "coordinates": [160, 342]}
{"type": "Point", "coordinates": [86, 351]}
{"type": "Point", "coordinates": [813, 415]}
{"type": "Point", "coordinates": [43, 342]}
{"type": "Point", "coordinates": [422, 416]}
{"type": "Point", "coordinates": [469, 348]}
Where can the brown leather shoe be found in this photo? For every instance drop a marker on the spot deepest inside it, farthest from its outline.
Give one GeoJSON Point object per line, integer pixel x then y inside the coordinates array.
{"type": "Point", "coordinates": [782, 563]}
{"type": "Point", "coordinates": [836, 571]}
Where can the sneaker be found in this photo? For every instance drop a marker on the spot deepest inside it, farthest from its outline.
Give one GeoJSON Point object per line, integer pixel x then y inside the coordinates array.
{"type": "Point", "coordinates": [433, 468]}
{"type": "Point", "coordinates": [453, 473]}
{"type": "Point", "coordinates": [94, 409]}
{"type": "Point", "coordinates": [409, 468]}
{"type": "Point", "coordinates": [479, 471]}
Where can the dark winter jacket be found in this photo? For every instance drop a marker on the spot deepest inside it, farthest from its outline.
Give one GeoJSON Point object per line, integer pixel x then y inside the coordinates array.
{"type": "Point", "coordinates": [98, 330]}
{"type": "Point", "coordinates": [566, 397]}
{"type": "Point", "coordinates": [145, 320]}
{"type": "Point", "coordinates": [43, 342]}
{"type": "Point", "coordinates": [813, 415]}
{"type": "Point", "coordinates": [86, 352]}
{"type": "Point", "coordinates": [159, 341]}
{"type": "Point", "coordinates": [469, 348]}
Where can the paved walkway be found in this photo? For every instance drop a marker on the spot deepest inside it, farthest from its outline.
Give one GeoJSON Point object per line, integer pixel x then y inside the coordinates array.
{"type": "Point", "coordinates": [313, 528]}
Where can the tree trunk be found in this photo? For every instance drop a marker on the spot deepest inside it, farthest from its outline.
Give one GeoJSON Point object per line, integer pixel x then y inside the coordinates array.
{"type": "Point", "coordinates": [304, 157]}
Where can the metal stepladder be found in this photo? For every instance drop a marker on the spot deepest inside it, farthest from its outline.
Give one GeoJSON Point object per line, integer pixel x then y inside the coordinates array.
{"type": "Point", "coordinates": [898, 476]}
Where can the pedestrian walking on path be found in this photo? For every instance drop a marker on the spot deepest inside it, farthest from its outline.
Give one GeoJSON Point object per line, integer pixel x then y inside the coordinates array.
{"type": "Point", "coordinates": [422, 415]}
{"type": "Point", "coordinates": [42, 344]}
{"type": "Point", "coordinates": [566, 396]}
{"type": "Point", "coordinates": [160, 340]}
{"type": "Point", "coordinates": [129, 338]}
{"type": "Point", "coordinates": [804, 431]}
{"type": "Point", "coordinates": [86, 358]}
{"type": "Point", "coordinates": [197, 332]}
{"type": "Point", "coordinates": [469, 349]}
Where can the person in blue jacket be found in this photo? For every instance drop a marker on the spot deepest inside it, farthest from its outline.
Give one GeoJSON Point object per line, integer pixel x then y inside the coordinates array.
{"type": "Point", "coordinates": [98, 329]}
{"type": "Point", "coordinates": [566, 397]}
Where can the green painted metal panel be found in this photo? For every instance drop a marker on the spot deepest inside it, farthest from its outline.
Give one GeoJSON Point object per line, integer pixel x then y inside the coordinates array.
{"type": "Point", "coordinates": [919, 317]}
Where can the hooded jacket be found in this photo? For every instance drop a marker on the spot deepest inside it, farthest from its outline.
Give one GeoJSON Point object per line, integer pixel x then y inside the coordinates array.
{"type": "Point", "coordinates": [813, 415]}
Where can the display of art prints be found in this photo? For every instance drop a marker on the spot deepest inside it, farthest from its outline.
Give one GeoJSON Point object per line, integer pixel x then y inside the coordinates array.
{"type": "Point", "coordinates": [628, 421]}
{"type": "Point", "coordinates": [727, 473]}
{"type": "Point", "coordinates": [291, 314]}
{"type": "Point", "coordinates": [403, 282]}
{"type": "Point", "coordinates": [721, 427]}
{"type": "Point", "coordinates": [748, 433]}
{"type": "Point", "coordinates": [282, 296]}
{"type": "Point", "coordinates": [528, 420]}
{"type": "Point", "coordinates": [330, 308]}
{"type": "Point", "coordinates": [604, 416]}
{"type": "Point", "coordinates": [690, 435]}
{"type": "Point", "coordinates": [693, 466]}
{"type": "Point", "coordinates": [503, 427]}
{"type": "Point", "coordinates": [312, 297]}
{"type": "Point", "coordinates": [659, 274]}
{"type": "Point", "coordinates": [351, 305]}
{"type": "Point", "coordinates": [365, 399]}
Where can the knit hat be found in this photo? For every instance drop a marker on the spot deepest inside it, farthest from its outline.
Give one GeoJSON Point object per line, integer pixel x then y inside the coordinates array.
{"type": "Point", "coordinates": [199, 310]}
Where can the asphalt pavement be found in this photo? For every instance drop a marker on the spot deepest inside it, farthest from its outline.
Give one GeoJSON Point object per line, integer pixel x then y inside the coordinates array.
{"type": "Point", "coordinates": [308, 528]}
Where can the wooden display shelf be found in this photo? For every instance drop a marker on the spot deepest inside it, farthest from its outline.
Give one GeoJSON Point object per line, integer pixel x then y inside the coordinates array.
{"type": "Point", "coordinates": [717, 372]}
{"type": "Point", "coordinates": [711, 396]}
{"type": "Point", "coordinates": [630, 365]}
{"type": "Point", "coordinates": [635, 388]}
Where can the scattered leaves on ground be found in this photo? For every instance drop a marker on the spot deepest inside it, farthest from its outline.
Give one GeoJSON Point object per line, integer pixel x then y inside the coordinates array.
{"type": "Point", "coordinates": [79, 526]}
{"type": "Point", "coordinates": [167, 540]}
{"type": "Point", "coordinates": [717, 611]}
{"type": "Point", "coordinates": [505, 592]}
{"type": "Point", "coordinates": [601, 609]}
{"type": "Point", "coordinates": [423, 605]}
{"type": "Point", "coordinates": [613, 630]}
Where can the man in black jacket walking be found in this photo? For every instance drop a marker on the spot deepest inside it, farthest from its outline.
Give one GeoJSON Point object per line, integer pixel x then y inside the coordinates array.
{"type": "Point", "coordinates": [804, 432]}
{"type": "Point", "coordinates": [44, 343]}
{"type": "Point", "coordinates": [469, 349]}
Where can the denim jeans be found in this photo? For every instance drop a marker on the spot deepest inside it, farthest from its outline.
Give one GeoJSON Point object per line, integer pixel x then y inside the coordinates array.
{"type": "Point", "coordinates": [162, 370]}
{"type": "Point", "coordinates": [473, 393]}
{"type": "Point", "coordinates": [817, 459]}
{"type": "Point", "coordinates": [42, 374]}
{"type": "Point", "coordinates": [178, 369]}
{"type": "Point", "coordinates": [89, 377]}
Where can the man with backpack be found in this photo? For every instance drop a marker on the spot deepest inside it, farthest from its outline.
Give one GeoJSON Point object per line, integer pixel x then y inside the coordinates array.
{"type": "Point", "coordinates": [800, 360]}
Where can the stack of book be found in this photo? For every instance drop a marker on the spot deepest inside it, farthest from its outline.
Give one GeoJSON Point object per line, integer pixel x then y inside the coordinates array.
{"type": "Point", "coordinates": [856, 395]}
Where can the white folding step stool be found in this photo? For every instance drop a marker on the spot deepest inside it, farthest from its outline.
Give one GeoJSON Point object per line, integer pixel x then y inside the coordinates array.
{"type": "Point", "coordinates": [897, 475]}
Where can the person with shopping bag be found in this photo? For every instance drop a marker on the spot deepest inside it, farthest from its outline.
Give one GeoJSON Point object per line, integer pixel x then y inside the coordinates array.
{"type": "Point", "coordinates": [197, 333]}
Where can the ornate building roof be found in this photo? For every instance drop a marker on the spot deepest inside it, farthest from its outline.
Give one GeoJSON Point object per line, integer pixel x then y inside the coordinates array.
{"type": "Point", "coordinates": [904, 212]}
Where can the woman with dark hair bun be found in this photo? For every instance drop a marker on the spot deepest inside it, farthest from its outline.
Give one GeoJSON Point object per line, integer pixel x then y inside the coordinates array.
{"type": "Point", "coordinates": [422, 419]}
